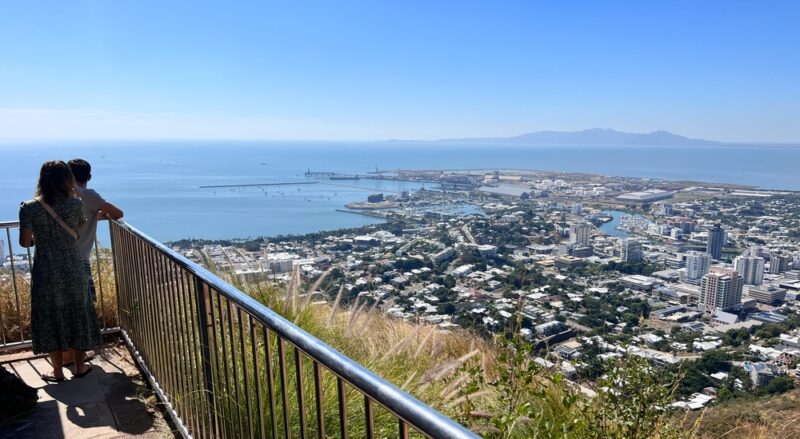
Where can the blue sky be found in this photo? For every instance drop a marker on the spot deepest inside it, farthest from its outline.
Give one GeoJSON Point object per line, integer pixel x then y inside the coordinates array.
{"type": "Point", "coordinates": [724, 70]}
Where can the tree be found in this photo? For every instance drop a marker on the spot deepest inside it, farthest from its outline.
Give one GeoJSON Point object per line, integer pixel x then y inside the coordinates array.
{"type": "Point", "coordinates": [780, 384]}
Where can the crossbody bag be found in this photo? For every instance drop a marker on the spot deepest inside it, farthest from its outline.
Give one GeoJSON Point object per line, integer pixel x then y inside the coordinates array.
{"type": "Point", "coordinates": [72, 232]}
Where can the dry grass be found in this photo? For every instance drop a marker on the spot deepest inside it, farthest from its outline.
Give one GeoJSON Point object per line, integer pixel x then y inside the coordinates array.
{"type": "Point", "coordinates": [419, 358]}
{"type": "Point", "coordinates": [775, 417]}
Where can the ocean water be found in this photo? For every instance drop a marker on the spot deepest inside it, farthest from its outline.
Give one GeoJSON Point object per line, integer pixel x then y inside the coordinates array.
{"type": "Point", "coordinates": [157, 183]}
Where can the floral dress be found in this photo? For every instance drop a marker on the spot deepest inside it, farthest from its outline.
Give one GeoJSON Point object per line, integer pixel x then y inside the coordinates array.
{"type": "Point", "coordinates": [62, 315]}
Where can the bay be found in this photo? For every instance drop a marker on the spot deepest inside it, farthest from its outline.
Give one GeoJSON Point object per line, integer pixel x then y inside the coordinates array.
{"type": "Point", "coordinates": [158, 183]}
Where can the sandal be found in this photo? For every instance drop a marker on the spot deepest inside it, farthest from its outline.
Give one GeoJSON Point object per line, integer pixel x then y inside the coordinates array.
{"type": "Point", "coordinates": [86, 359]}
{"type": "Point", "coordinates": [89, 368]}
{"type": "Point", "coordinates": [49, 378]}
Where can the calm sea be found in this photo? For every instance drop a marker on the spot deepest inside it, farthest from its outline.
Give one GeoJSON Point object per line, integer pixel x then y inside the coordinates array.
{"type": "Point", "coordinates": [157, 183]}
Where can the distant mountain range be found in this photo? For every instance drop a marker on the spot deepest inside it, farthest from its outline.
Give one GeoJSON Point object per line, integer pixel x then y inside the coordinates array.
{"type": "Point", "coordinates": [595, 136]}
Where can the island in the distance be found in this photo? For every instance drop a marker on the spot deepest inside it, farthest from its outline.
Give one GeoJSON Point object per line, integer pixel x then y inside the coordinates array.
{"type": "Point", "coordinates": [594, 136]}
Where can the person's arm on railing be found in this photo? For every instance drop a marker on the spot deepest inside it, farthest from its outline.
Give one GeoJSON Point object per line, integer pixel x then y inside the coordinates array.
{"type": "Point", "coordinates": [109, 211]}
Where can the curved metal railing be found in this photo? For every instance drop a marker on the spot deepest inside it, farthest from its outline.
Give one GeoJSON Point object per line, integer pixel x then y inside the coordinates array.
{"type": "Point", "coordinates": [218, 358]}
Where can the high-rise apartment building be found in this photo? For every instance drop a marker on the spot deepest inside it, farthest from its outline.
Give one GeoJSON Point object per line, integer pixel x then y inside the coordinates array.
{"type": "Point", "coordinates": [720, 289]}
{"type": "Point", "coordinates": [697, 265]}
{"type": "Point", "coordinates": [778, 264]}
{"type": "Point", "coordinates": [716, 241]}
{"type": "Point", "coordinates": [751, 268]}
{"type": "Point", "coordinates": [630, 250]}
{"type": "Point", "coordinates": [581, 234]}
{"type": "Point", "coordinates": [577, 208]}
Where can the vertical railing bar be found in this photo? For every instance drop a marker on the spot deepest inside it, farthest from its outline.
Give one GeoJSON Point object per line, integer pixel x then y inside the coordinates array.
{"type": "Point", "coordinates": [235, 369]}
{"type": "Point", "coordinates": [301, 402]}
{"type": "Point", "coordinates": [122, 276]}
{"type": "Point", "coordinates": [284, 386]}
{"type": "Point", "coordinates": [14, 281]}
{"type": "Point", "coordinates": [170, 339]}
{"type": "Point", "coordinates": [318, 398]}
{"type": "Point", "coordinates": [135, 301]}
{"type": "Point", "coordinates": [226, 409]}
{"type": "Point", "coordinates": [403, 427]}
{"type": "Point", "coordinates": [157, 311]}
{"type": "Point", "coordinates": [244, 372]}
{"type": "Point", "coordinates": [342, 393]}
{"type": "Point", "coordinates": [113, 234]}
{"type": "Point", "coordinates": [369, 417]}
{"type": "Point", "coordinates": [192, 348]}
{"type": "Point", "coordinates": [254, 349]}
{"type": "Point", "coordinates": [173, 354]}
{"type": "Point", "coordinates": [16, 289]}
{"type": "Point", "coordinates": [185, 365]}
{"type": "Point", "coordinates": [219, 404]}
{"type": "Point", "coordinates": [151, 312]}
{"type": "Point", "coordinates": [202, 313]}
{"type": "Point", "coordinates": [270, 383]}
{"type": "Point", "coordinates": [157, 324]}
{"type": "Point", "coordinates": [179, 342]}
{"type": "Point", "coordinates": [100, 281]}
{"type": "Point", "coordinates": [142, 306]}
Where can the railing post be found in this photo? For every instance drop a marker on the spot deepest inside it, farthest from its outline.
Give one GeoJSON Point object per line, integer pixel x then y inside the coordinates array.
{"type": "Point", "coordinates": [203, 322]}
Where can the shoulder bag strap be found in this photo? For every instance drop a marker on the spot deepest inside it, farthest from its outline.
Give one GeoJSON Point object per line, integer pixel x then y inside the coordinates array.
{"type": "Point", "coordinates": [58, 219]}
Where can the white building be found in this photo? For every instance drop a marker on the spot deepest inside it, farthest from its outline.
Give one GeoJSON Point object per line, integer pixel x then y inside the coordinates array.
{"type": "Point", "coordinates": [697, 264]}
{"type": "Point", "coordinates": [581, 234]}
{"type": "Point", "coordinates": [630, 250]}
{"type": "Point", "coordinates": [720, 289]}
{"type": "Point", "coordinates": [751, 268]}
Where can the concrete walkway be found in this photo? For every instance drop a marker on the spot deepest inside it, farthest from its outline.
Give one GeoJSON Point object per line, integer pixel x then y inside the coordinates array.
{"type": "Point", "coordinates": [106, 403]}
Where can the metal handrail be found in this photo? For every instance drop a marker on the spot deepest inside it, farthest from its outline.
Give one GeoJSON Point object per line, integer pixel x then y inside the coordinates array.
{"type": "Point", "coordinates": [160, 277]}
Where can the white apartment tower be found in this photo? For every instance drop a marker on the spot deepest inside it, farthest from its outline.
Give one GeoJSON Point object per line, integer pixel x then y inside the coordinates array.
{"type": "Point", "coordinates": [581, 234]}
{"type": "Point", "coordinates": [751, 268]}
{"type": "Point", "coordinates": [777, 263]}
{"type": "Point", "coordinates": [720, 289]}
{"type": "Point", "coordinates": [697, 265]}
{"type": "Point", "coordinates": [630, 250]}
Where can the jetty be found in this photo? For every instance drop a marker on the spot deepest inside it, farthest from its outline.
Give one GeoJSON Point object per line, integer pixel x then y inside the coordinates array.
{"type": "Point", "coordinates": [293, 183]}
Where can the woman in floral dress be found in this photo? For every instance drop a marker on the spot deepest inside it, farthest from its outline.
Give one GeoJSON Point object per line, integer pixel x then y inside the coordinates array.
{"type": "Point", "coordinates": [62, 316]}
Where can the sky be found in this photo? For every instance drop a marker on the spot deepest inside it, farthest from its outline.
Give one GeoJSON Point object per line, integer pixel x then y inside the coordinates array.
{"type": "Point", "coordinates": [724, 70]}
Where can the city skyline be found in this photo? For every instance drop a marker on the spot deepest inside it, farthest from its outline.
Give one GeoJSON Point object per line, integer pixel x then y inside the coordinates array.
{"type": "Point", "coordinates": [354, 71]}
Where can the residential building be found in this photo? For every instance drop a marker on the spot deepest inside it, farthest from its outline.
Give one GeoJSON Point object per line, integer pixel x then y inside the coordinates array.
{"type": "Point", "coordinates": [630, 250]}
{"type": "Point", "coordinates": [581, 234]}
{"type": "Point", "coordinates": [777, 264]}
{"type": "Point", "coordinates": [697, 265]}
{"type": "Point", "coordinates": [751, 268]}
{"type": "Point", "coordinates": [720, 289]}
{"type": "Point", "coordinates": [716, 241]}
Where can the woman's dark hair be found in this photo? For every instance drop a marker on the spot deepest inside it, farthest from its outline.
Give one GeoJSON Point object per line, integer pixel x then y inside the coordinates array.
{"type": "Point", "coordinates": [56, 182]}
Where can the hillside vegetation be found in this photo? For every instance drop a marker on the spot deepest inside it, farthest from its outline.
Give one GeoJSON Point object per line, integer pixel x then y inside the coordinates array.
{"type": "Point", "coordinates": [491, 386]}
